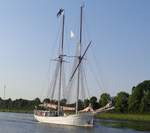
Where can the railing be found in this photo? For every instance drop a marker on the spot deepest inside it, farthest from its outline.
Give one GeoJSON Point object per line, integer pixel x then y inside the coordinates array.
{"type": "Point", "coordinates": [47, 113]}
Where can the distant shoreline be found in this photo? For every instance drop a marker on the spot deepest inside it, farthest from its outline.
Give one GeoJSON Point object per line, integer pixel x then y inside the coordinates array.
{"type": "Point", "coordinates": [17, 111]}
{"type": "Point", "coordinates": [127, 117]}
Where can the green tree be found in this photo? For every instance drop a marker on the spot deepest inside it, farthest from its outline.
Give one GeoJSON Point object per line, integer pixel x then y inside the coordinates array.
{"type": "Point", "coordinates": [121, 102]}
{"type": "Point", "coordinates": [104, 99]}
{"type": "Point", "coordinates": [36, 101]}
{"type": "Point", "coordinates": [86, 102]}
{"type": "Point", "coordinates": [46, 100]}
{"type": "Point", "coordinates": [8, 103]}
{"type": "Point", "coordinates": [80, 105]}
{"type": "Point", "coordinates": [145, 102]}
{"type": "Point", "coordinates": [63, 102]}
{"type": "Point", "coordinates": [138, 101]}
{"type": "Point", "coordinates": [94, 103]}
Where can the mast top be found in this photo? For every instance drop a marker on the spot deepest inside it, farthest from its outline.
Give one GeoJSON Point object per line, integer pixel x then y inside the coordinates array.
{"type": "Point", "coordinates": [60, 12]}
{"type": "Point", "coordinates": [83, 4]}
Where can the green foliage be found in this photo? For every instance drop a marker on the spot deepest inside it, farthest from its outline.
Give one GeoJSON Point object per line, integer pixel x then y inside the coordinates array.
{"type": "Point", "coordinates": [19, 104]}
{"type": "Point", "coordinates": [121, 102]}
{"type": "Point", "coordinates": [139, 101]}
{"type": "Point", "coordinates": [93, 100]}
{"type": "Point", "coordinates": [37, 101]}
{"type": "Point", "coordinates": [80, 105]}
{"type": "Point", "coordinates": [94, 103]}
{"type": "Point", "coordinates": [104, 99]}
{"type": "Point", "coordinates": [63, 102]}
{"type": "Point", "coordinates": [145, 102]}
{"type": "Point", "coordinates": [86, 102]}
{"type": "Point", "coordinates": [46, 100]}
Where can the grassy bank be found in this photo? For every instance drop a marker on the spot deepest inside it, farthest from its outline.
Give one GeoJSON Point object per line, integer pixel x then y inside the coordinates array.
{"type": "Point", "coordinates": [129, 117]}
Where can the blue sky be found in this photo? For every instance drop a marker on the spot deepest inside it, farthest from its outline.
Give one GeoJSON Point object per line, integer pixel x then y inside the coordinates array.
{"type": "Point", "coordinates": [119, 30]}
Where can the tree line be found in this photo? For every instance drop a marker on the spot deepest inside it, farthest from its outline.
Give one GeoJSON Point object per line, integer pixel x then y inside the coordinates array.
{"type": "Point", "coordinates": [18, 105]}
{"type": "Point", "coordinates": [136, 102]}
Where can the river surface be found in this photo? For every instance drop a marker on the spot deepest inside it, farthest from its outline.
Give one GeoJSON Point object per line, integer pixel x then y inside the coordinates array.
{"type": "Point", "coordinates": [25, 123]}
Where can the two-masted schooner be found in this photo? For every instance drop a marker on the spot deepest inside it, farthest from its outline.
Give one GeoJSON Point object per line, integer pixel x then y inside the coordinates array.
{"type": "Point", "coordinates": [55, 114]}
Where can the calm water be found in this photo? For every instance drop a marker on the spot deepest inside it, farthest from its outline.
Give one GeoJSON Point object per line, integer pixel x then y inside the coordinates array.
{"type": "Point", "coordinates": [24, 123]}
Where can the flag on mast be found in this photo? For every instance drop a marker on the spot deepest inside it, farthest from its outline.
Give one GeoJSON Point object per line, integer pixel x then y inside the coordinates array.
{"type": "Point", "coordinates": [60, 12]}
{"type": "Point", "coordinates": [72, 34]}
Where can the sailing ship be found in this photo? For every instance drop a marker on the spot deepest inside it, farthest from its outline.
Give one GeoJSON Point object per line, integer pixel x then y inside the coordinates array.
{"type": "Point", "coordinates": [55, 114]}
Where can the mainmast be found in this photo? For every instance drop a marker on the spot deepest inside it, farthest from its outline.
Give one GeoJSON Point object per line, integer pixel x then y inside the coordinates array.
{"type": "Point", "coordinates": [61, 12]}
{"type": "Point", "coordinates": [79, 59]}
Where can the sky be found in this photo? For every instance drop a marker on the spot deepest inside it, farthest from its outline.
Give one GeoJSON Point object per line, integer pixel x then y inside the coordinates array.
{"type": "Point", "coordinates": [119, 30]}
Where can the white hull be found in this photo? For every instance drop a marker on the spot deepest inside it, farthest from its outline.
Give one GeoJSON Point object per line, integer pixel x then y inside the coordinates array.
{"type": "Point", "coordinates": [83, 119]}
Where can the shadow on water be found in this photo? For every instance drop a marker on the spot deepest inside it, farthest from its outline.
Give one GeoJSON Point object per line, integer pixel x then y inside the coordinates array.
{"type": "Point", "coordinates": [139, 126]}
